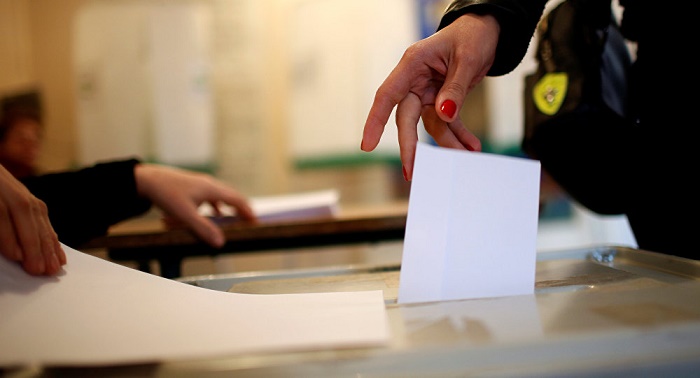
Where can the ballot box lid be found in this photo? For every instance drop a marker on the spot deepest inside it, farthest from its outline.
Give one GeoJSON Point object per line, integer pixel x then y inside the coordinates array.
{"type": "Point", "coordinates": [595, 311]}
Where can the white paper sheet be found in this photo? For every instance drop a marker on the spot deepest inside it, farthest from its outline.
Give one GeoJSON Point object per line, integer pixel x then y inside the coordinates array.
{"type": "Point", "coordinates": [321, 204]}
{"type": "Point", "coordinates": [98, 312]}
{"type": "Point", "coordinates": [471, 229]}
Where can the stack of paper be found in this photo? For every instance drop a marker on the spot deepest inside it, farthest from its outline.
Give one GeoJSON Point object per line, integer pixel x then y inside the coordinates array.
{"type": "Point", "coordinates": [323, 204]}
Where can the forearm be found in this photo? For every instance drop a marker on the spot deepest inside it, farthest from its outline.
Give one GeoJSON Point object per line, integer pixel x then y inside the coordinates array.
{"type": "Point", "coordinates": [83, 204]}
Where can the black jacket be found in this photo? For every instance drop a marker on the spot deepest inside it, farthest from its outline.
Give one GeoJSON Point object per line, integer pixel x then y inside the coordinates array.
{"type": "Point", "coordinates": [645, 166]}
{"type": "Point", "coordinates": [518, 20]}
{"type": "Point", "coordinates": [84, 203]}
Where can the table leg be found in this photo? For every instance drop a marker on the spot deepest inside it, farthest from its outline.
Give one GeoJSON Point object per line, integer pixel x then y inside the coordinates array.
{"type": "Point", "coordinates": [170, 267]}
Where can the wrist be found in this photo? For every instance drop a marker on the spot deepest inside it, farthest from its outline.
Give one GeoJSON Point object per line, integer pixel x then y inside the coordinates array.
{"type": "Point", "coordinates": [489, 23]}
{"type": "Point", "coordinates": [141, 178]}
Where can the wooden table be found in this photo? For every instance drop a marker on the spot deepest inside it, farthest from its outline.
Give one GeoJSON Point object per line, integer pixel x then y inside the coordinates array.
{"type": "Point", "coordinates": [143, 240]}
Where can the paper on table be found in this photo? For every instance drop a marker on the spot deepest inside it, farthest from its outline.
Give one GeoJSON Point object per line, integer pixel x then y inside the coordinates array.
{"type": "Point", "coordinates": [322, 204]}
{"type": "Point", "coordinates": [471, 229]}
{"type": "Point", "coordinates": [98, 312]}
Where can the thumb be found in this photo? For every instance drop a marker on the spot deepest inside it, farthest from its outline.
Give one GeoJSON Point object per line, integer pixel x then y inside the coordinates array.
{"type": "Point", "coordinates": [460, 79]}
{"type": "Point", "coordinates": [471, 42]}
{"type": "Point", "coordinates": [449, 100]}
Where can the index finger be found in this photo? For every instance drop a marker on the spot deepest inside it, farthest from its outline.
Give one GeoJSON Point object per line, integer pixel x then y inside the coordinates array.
{"type": "Point", "coordinates": [394, 89]}
{"type": "Point", "coordinates": [233, 198]}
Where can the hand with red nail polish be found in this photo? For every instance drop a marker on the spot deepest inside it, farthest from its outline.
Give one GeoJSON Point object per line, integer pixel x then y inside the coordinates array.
{"type": "Point", "coordinates": [430, 82]}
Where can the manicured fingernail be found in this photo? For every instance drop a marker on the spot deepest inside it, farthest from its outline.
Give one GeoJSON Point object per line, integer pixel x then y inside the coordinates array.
{"type": "Point", "coordinates": [405, 175]}
{"type": "Point", "coordinates": [362, 144]}
{"type": "Point", "coordinates": [448, 108]}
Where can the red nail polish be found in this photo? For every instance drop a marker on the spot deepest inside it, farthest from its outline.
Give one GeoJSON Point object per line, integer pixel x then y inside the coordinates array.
{"type": "Point", "coordinates": [405, 176]}
{"type": "Point", "coordinates": [448, 108]}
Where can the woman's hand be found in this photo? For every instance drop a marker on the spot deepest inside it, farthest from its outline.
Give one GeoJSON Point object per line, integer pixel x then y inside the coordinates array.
{"type": "Point", "coordinates": [178, 193]}
{"type": "Point", "coordinates": [431, 81]}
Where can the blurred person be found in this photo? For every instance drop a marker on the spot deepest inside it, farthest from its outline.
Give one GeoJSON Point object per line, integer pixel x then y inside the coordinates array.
{"type": "Point", "coordinates": [20, 142]}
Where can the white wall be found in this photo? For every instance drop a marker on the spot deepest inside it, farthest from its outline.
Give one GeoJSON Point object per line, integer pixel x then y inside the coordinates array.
{"type": "Point", "coordinates": [341, 51]}
{"type": "Point", "coordinates": [143, 82]}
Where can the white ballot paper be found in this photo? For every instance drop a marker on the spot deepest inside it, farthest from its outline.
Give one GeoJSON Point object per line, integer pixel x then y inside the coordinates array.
{"type": "Point", "coordinates": [98, 312]}
{"type": "Point", "coordinates": [471, 229]}
{"type": "Point", "coordinates": [321, 204]}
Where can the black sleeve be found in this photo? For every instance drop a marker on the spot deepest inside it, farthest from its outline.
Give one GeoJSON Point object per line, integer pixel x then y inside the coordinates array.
{"type": "Point", "coordinates": [83, 204]}
{"type": "Point", "coordinates": [518, 20]}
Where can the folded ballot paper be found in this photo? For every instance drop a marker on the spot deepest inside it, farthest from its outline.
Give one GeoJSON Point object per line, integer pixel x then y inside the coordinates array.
{"type": "Point", "coordinates": [311, 205]}
{"type": "Point", "coordinates": [471, 229]}
{"type": "Point", "coordinates": [100, 313]}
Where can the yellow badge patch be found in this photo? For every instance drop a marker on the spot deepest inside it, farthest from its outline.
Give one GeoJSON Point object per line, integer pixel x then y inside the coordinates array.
{"type": "Point", "coordinates": [550, 91]}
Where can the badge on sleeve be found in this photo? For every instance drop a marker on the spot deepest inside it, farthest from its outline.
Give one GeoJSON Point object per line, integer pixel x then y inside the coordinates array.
{"type": "Point", "coordinates": [550, 91]}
